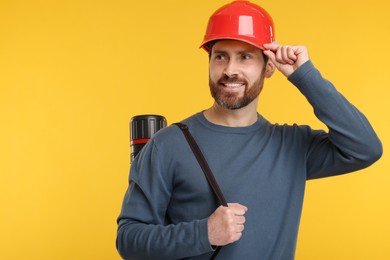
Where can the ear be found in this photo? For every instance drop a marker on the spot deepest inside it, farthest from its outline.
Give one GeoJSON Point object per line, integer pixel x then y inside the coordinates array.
{"type": "Point", "coordinates": [269, 69]}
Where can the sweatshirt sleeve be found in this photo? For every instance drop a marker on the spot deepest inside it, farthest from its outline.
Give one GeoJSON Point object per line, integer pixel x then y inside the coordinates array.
{"type": "Point", "coordinates": [143, 230]}
{"type": "Point", "coordinates": [350, 144]}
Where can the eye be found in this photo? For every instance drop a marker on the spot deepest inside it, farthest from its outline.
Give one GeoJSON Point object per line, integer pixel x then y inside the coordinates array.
{"type": "Point", "coordinates": [219, 57]}
{"type": "Point", "coordinates": [246, 57]}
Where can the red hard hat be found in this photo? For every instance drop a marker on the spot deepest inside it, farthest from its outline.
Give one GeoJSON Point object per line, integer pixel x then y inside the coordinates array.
{"type": "Point", "coordinates": [240, 20]}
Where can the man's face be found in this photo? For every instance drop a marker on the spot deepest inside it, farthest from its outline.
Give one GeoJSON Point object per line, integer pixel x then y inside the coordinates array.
{"type": "Point", "coordinates": [236, 73]}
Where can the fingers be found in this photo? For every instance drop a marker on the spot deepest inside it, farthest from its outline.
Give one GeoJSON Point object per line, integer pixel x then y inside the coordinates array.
{"type": "Point", "coordinates": [238, 211]}
{"type": "Point", "coordinates": [282, 54]}
{"type": "Point", "coordinates": [287, 55]}
{"type": "Point", "coordinates": [226, 224]}
{"type": "Point", "coordinates": [240, 220]}
{"type": "Point", "coordinates": [286, 58]}
{"type": "Point", "coordinates": [271, 46]}
{"type": "Point", "coordinates": [238, 208]}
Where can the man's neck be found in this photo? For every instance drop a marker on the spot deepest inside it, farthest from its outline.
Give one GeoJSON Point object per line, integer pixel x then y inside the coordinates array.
{"type": "Point", "coordinates": [242, 117]}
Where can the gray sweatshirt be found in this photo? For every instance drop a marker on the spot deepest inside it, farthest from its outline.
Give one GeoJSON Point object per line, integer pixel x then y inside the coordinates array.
{"type": "Point", "coordinates": [263, 166]}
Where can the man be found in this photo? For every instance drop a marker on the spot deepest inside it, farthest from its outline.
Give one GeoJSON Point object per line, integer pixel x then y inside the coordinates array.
{"type": "Point", "coordinates": [169, 210]}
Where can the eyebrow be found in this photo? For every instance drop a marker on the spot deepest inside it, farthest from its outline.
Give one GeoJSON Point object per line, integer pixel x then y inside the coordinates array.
{"type": "Point", "coordinates": [246, 52]}
{"type": "Point", "coordinates": [238, 52]}
{"type": "Point", "coordinates": [219, 52]}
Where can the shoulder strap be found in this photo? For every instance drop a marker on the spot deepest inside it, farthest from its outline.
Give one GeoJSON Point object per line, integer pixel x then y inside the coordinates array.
{"type": "Point", "coordinates": [203, 164]}
{"type": "Point", "coordinates": [206, 170]}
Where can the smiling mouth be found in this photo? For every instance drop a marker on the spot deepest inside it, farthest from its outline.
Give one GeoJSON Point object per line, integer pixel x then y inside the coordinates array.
{"type": "Point", "coordinates": [233, 85]}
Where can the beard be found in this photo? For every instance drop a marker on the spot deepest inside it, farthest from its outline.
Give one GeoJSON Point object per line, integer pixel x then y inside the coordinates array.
{"type": "Point", "coordinates": [233, 101]}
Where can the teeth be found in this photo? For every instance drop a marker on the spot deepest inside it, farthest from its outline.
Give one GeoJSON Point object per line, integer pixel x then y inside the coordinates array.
{"type": "Point", "coordinates": [233, 85]}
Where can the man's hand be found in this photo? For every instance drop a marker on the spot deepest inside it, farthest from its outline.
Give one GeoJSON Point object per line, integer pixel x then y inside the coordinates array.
{"type": "Point", "coordinates": [286, 58]}
{"type": "Point", "coordinates": [226, 224]}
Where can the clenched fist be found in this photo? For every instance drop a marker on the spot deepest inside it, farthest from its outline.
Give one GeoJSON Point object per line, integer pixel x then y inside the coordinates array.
{"type": "Point", "coordinates": [226, 224]}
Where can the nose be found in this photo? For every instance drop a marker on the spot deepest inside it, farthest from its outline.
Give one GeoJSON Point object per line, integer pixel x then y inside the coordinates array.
{"type": "Point", "coordinates": [231, 69]}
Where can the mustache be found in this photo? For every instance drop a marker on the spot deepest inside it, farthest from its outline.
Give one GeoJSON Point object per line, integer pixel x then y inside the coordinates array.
{"type": "Point", "coordinates": [225, 80]}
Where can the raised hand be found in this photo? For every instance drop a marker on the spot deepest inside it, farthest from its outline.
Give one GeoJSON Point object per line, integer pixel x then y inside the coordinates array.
{"type": "Point", "coordinates": [286, 58]}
